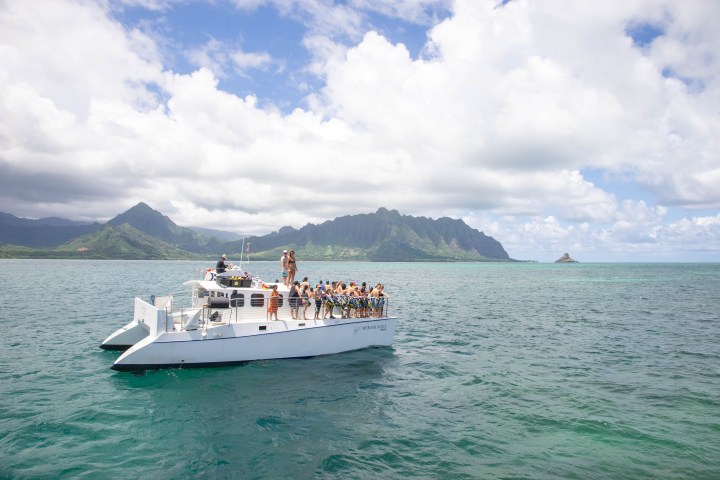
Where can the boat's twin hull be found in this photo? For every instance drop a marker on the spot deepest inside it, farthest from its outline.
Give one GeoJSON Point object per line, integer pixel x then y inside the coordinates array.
{"type": "Point", "coordinates": [125, 337]}
{"type": "Point", "coordinates": [216, 347]}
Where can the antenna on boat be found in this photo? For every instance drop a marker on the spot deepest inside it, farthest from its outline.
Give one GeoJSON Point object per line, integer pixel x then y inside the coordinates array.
{"type": "Point", "coordinates": [244, 250]}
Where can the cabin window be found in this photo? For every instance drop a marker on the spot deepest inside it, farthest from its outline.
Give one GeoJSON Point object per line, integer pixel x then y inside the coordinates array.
{"type": "Point", "coordinates": [280, 300]}
{"type": "Point", "coordinates": [237, 300]}
{"type": "Point", "coordinates": [257, 300]}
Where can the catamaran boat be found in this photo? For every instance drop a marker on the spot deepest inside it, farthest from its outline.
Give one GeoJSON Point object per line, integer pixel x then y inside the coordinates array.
{"type": "Point", "coordinates": [227, 322]}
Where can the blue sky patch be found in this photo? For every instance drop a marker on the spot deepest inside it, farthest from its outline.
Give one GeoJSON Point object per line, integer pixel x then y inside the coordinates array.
{"type": "Point", "coordinates": [259, 31]}
{"type": "Point", "coordinates": [643, 34]}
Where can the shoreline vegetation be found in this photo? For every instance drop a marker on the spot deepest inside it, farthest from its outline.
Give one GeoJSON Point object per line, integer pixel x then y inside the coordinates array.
{"type": "Point", "coordinates": [142, 233]}
{"type": "Point", "coordinates": [10, 252]}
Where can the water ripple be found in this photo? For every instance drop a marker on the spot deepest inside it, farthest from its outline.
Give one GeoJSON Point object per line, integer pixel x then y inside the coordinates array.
{"type": "Point", "coordinates": [571, 371]}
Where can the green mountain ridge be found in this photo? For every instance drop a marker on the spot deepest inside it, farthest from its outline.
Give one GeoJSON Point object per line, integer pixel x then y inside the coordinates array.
{"type": "Point", "coordinates": [386, 235]}
{"type": "Point", "coordinates": [41, 233]}
{"type": "Point", "coordinates": [155, 224]}
{"type": "Point", "coordinates": [122, 242]}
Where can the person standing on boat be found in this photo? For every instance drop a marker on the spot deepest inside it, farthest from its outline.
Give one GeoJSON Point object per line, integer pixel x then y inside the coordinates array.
{"type": "Point", "coordinates": [294, 300]}
{"type": "Point", "coordinates": [329, 298]}
{"type": "Point", "coordinates": [381, 299]}
{"type": "Point", "coordinates": [318, 297]}
{"type": "Point", "coordinates": [284, 267]}
{"type": "Point", "coordinates": [306, 296]}
{"type": "Point", "coordinates": [273, 304]}
{"type": "Point", "coordinates": [363, 301]}
{"type": "Point", "coordinates": [292, 267]}
{"type": "Point", "coordinates": [220, 267]}
{"type": "Point", "coordinates": [375, 300]}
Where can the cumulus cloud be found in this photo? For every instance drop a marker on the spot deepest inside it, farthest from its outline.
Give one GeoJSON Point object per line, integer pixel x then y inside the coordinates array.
{"type": "Point", "coordinates": [223, 60]}
{"type": "Point", "coordinates": [322, 17]}
{"type": "Point", "coordinates": [495, 122]}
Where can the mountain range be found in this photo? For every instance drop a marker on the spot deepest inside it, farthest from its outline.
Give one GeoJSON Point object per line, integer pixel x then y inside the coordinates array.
{"type": "Point", "coordinates": [144, 233]}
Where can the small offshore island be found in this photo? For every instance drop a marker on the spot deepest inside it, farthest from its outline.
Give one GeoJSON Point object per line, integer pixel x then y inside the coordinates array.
{"type": "Point", "coordinates": [566, 259]}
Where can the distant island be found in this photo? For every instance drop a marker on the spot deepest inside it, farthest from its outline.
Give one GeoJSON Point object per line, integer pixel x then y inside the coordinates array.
{"type": "Point", "coordinates": [142, 233]}
{"type": "Point", "coordinates": [566, 259]}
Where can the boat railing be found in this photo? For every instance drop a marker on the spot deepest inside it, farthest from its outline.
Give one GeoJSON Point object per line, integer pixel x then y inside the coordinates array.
{"type": "Point", "coordinates": [169, 300]}
{"type": "Point", "coordinates": [369, 306]}
{"type": "Point", "coordinates": [256, 308]}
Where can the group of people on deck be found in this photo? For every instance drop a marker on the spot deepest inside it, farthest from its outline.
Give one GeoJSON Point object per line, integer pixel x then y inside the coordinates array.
{"type": "Point", "coordinates": [330, 298]}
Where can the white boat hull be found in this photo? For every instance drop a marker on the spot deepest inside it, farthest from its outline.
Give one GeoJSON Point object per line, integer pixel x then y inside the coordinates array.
{"type": "Point", "coordinates": [242, 342]}
{"type": "Point", "coordinates": [125, 337]}
{"type": "Point", "coordinates": [227, 321]}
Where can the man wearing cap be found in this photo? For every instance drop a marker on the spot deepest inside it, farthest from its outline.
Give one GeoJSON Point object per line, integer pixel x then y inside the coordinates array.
{"type": "Point", "coordinates": [284, 267]}
{"type": "Point", "coordinates": [221, 267]}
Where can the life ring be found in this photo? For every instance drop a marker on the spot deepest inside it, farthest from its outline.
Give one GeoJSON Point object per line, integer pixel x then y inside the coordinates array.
{"type": "Point", "coordinates": [209, 275]}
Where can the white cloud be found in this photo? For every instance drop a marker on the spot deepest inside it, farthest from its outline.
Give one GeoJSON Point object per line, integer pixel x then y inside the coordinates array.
{"type": "Point", "coordinates": [244, 60]}
{"type": "Point", "coordinates": [211, 56]}
{"type": "Point", "coordinates": [322, 17]}
{"type": "Point", "coordinates": [223, 60]}
{"type": "Point", "coordinates": [55, 49]}
{"type": "Point", "coordinates": [696, 233]}
{"type": "Point", "coordinates": [417, 11]}
{"type": "Point", "coordinates": [495, 123]}
{"type": "Point", "coordinates": [153, 5]}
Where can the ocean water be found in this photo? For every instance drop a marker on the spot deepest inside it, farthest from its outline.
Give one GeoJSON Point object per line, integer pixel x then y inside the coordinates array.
{"type": "Point", "coordinates": [498, 371]}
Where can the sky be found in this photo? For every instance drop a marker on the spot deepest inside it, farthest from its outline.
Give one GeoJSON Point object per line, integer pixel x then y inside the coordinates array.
{"type": "Point", "coordinates": [591, 128]}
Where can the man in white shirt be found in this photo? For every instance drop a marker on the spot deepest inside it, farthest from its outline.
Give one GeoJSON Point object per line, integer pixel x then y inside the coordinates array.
{"type": "Point", "coordinates": [284, 266]}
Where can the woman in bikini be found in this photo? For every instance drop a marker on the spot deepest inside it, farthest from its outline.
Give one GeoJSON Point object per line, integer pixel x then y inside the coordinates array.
{"type": "Point", "coordinates": [292, 267]}
{"type": "Point", "coordinates": [305, 293]}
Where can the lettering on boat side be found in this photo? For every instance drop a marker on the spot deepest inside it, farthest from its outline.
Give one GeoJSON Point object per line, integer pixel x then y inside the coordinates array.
{"type": "Point", "coordinates": [382, 328]}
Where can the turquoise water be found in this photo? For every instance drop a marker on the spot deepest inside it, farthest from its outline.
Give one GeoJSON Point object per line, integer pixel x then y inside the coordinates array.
{"type": "Point", "coordinates": [498, 371]}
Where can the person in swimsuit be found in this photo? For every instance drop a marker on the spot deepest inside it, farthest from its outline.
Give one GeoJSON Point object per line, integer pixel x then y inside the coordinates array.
{"type": "Point", "coordinates": [375, 300]}
{"type": "Point", "coordinates": [329, 301]}
{"type": "Point", "coordinates": [318, 296]}
{"type": "Point", "coordinates": [292, 268]}
{"type": "Point", "coordinates": [305, 294]}
{"type": "Point", "coordinates": [294, 300]}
